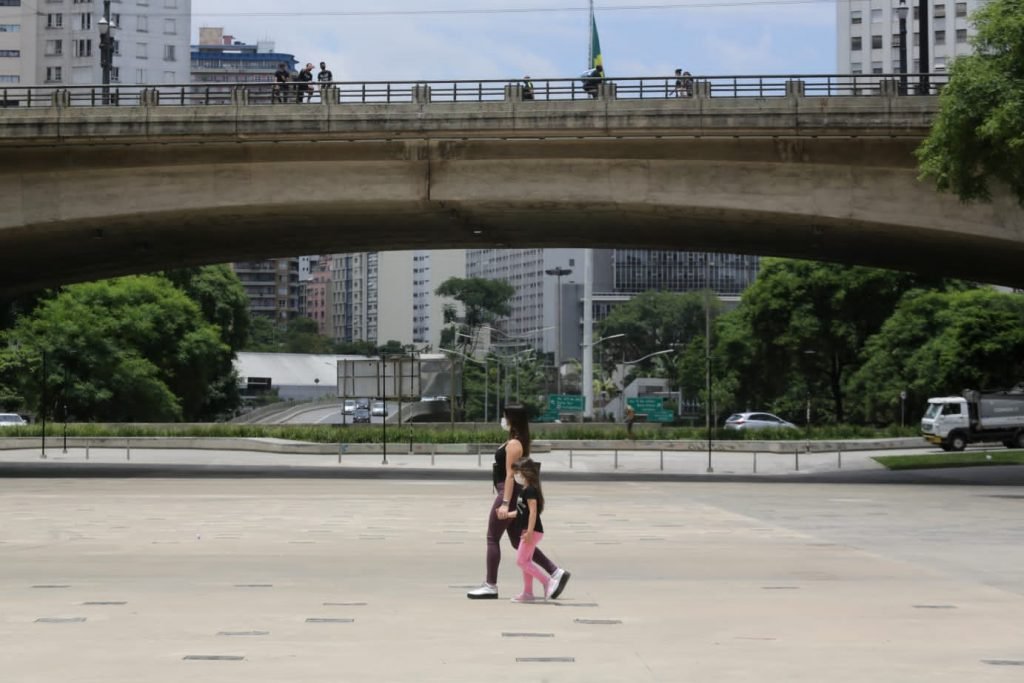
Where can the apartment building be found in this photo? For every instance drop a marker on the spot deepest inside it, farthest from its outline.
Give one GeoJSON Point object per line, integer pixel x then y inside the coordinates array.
{"type": "Point", "coordinates": [272, 286]}
{"type": "Point", "coordinates": [868, 36]}
{"type": "Point", "coordinates": [57, 42]}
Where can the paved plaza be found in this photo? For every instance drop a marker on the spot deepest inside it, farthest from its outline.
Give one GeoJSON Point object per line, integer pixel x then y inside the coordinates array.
{"type": "Point", "coordinates": [112, 580]}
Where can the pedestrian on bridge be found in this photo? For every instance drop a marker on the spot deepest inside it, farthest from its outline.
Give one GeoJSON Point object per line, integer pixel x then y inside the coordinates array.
{"type": "Point", "coordinates": [303, 87]}
{"type": "Point", "coordinates": [281, 77]}
{"type": "Point", "coordinates": [324, 78]}
{"type": "Point", "coordinates": [499, 522]}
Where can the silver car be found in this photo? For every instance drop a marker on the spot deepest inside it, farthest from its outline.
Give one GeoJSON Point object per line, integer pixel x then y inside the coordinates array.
{"type": "Point", "coordinates": [12, 420]}
{"type": "Point", "coordinates": [745, 421]}
{"type": "Point", "coordinates": [377, 409]}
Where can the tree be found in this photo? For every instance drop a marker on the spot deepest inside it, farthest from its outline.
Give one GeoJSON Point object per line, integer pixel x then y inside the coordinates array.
{"type": "Point", "coordinates": [123, 350]}
{"type": "Point", "coordinates": [654, 321]}
{"type": "Point", "coordinates": [979, 133]}
{"type": "Point", "coordinates": [221, 298]}
{"type": "Point", "coordinates": [483, 302]}
{"type": "Point", "coordinates": [939, 343]}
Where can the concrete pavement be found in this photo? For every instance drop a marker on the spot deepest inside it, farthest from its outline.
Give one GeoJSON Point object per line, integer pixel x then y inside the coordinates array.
{"type": "Point", "coordinates": [328, 580]}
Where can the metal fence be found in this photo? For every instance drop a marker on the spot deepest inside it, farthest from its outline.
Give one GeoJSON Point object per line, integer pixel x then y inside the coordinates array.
{"type": "Point", "coordinates": [539, 90]}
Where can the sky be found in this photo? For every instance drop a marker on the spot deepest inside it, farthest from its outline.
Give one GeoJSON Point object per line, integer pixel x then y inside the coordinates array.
{"type": "Point", "coordinates": [483, 39]}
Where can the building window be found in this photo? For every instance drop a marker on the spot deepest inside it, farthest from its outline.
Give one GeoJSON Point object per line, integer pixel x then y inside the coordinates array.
{"type": "Point", "coordinates": [170, 27]}
{"type": "Point", "coordinates": [142, 24]}
{"type": "Point", "coordinates": [141, 51]}
{"type": "Point", "coordinates": [876, 16]}
{"type": "Point", "coordinates": [961, 9]}
{"type": "Point", "coordinates": [85, 22]}
{"type": "Point", "coordinates": [54, 48]}
{"type": "Point", "coordinates": [961, 35]}
{"type": "Point", "coordinates": [856, 68]}
{"type": "Point", "coordinates": [83, 47]}
{"type": "Point", "coordinates": [54, 21]}
{"type": "Point", "coordinates": [10, 3]}
{"type": "Point", "coordinates": [876, 68]}
{"type": "Point", "coordinates": [876, 42]}
{"type": "Point", "coordinates": [940, 37]}
{"type": "Point", "coordinates": [168, 53]}
{"type": "Point", "coordinates": [855, 43]}
{"type": "Point", "coordinates": [896, 40]}
{"type": "Point", "coordinates": [5, 78]}
{"type": "Point", "coordinates": [10, 28]}
{"type": "Point", "coordinates": [856, 17]}
{"type": "Point", "coordinates": [54, 74]}
{"type": "Point", "coordinates": [939, 11]}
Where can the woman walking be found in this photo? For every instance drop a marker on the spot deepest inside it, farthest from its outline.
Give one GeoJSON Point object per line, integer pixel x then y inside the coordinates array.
{"type": "Point", "coordinates": [527, 517]}
{"type": "Point", "coordinates": [498, 521]}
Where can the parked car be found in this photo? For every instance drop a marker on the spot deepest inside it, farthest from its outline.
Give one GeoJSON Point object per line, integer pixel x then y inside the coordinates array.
{"type": "Point", "coordinates": [350, 406]}
{"type": "Point", "coordinates": [360, 415]}
{"type": "Point", "coordinates": [378, 409]}
{"type": "Point", "coordinates": [745, 421]}
{"type": "Point", "coordinates": [12, 420]}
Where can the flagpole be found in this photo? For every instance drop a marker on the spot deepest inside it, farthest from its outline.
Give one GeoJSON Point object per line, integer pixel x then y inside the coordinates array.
{"type": "Point", "coordinates": [588, 283]}
{"type": "Point", "coordinates": [590, 43]}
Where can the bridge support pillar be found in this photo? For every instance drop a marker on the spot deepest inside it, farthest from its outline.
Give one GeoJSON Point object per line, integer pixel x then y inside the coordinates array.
{"type": "Point", "coordinates": [702, 90]}
{"type": "Point", "coordinates": [240, 96]}
{"type": "Point", "coordinates": [421, 94]}
{"type": "Point", "coordinates": [60, 99]}
{"type": "Point", "coordinates": [513, 92]}
{"type": "Point", "coordinates": [330, 95]}
{"type": "Point", "coordinates": [795, 88]}
{"type": "Point", "coordinates": [888, 87]}
{"type": "Point", "coordinates": [150, 97]}
{"type": "Point", "coordinates": [607, 91]}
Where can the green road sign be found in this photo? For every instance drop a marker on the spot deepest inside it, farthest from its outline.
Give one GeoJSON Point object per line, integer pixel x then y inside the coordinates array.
{"type": "Point", "coordinates": [565, 403]}
{"type": "Point", "coordinates": [653, 407]}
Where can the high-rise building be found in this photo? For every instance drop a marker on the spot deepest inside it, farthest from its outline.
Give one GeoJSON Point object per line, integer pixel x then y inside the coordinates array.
{"type": "Point", "coordinates": [868, 37]}
{"type": "Point", "coordinates": [272, 287]}
{"type": "Point", "coordinates": [389, 295]}
{"type": "Point", "coordinates": [57, 42]}
{"type": "Point", "coordinates": [220, 59]}
{"type": "Point", "coordinates": [315, 292]}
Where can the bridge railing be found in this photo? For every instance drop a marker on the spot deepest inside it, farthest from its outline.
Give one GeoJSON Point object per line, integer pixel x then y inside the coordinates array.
{"type": "Point", "coordinates": [498, 90]}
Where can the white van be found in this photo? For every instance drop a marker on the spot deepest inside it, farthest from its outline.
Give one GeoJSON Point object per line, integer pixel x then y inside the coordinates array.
{"type": "Point", "coordinates": [12, 420]}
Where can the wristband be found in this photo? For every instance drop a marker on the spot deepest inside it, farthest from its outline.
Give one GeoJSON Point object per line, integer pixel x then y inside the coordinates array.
{"type": "Point", "coordinates": [504, 502]}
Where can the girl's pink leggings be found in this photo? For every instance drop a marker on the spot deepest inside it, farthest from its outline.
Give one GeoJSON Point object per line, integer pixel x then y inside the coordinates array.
{"type": "Point", "coordinates": [531, 570]}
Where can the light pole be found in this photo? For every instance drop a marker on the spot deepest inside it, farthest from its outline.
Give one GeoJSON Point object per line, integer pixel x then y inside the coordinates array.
{"type": "Point", "coordinates": [627, 363]}
{"type": "Point", "coordinates": [901, 11]}
{"type": "Point", "coordinates": [106, 49]}
{"type": "Point", "coordinates": [558, 272]}
{"type": "Point", "coordinates": [922, 59]}
{"type": "Point", "coordinates": [600, 363]}
{"type": "Point", "coordinates": [707, 350]}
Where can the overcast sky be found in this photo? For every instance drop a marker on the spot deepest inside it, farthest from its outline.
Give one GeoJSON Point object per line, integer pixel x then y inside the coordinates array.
{"type": "Point", "coordinates": [708, 37]}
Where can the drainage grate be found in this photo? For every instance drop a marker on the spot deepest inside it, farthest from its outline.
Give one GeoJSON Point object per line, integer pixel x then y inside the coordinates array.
{"type": "Point", "coordinates": [60, 620]}
{"type": "Point", "coordinates": [344, 604]}
{"type": "Point", "coordinates": [50, 586]}
{"type": "Point", "coordinates": [934, 606]}
{"type": "Point", "coordinates": [1004, 662]}
{"type": "Point", "coordinates": [322, 620]}
{"type": "Point", "coordinates": [600, 622]}
{"type": "Point", "coordinates": [243, 633]}
{"type": "Point", "coordinates": [105, 602]}
{"type": "Point", "coordinates": [543, 660]}
{"type": "Point", "coordinates": [212, 658]}
{"type": "Point", "coordinates": [527, 635]}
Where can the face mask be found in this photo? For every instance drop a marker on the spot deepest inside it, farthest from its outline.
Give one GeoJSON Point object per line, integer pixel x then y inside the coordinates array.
{"type": "Point", "coordinates": [504, 424]}
{"type": "Point", "coordinates": [520, 479]}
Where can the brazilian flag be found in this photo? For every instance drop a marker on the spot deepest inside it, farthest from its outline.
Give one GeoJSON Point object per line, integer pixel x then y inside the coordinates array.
{"type": "Point", "coordinates": [596, 59]}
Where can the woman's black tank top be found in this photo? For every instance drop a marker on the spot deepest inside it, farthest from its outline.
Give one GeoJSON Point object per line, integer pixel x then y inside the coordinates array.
{"type": "Point", "coordinates": [499, 468]}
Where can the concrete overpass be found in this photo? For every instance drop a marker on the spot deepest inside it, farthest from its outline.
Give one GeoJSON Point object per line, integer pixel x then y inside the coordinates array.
{"type": "Point", "coordinates": [91, 192]}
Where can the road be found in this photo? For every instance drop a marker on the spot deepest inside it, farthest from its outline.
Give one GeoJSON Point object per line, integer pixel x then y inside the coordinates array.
{"type": "Point", "coordinates": [326, 580]}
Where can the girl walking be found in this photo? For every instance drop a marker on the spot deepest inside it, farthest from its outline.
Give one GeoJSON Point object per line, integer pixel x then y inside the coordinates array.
{"type": "Point", "coordinates": [499, 522]}
{"type": "Point", "coordinates": [527, 517]}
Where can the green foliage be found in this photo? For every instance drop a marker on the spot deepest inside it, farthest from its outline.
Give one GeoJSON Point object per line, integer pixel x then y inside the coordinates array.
{"type": "Point", "coordinates": [483, 301]}
{"type": "Point", "coordinates": [943, 460]}
{"type": "Point", "coordinates": [652, 322]}
{"type": "Point", "coordinates": [522, 380]}
{"type": "Point", "coordinates": [221, 298]}
{"type": "Point", "coordinates": [938, 343]}
{"type": "Point", "coordinates": [979, 133]}
{"type": "Point", "coordinates": [298, 335]}
{"type": "Point", "coordinates": [129, 349]}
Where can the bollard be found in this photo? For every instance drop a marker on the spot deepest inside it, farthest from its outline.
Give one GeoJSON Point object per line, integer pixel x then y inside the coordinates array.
{"type": "Point", "coordinates": [340, 450]}
{"type": "Point", "coordinates": [661, 461]}
{"type": "Point", "coordinates": [839, 456]}
{"type": "Point", "coordinates": [755, 462]}
{"type": "Point", "coordinates": [86, 450]}
{"type": "Point", "coordinates": [479, 462]}
{"type": "Point", "coordinates": [796, 456]}
{"type": "Point", "coordinates": [570, 458]}
{"type": "Point", "coordinates": [433, 452]}
{"type": "Point", "coordinates": [128, 449]}
{"type": "Point", "coordinates": [616, 466]}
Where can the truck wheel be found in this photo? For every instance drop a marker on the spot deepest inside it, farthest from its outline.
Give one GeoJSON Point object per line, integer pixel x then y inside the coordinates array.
{"type": "Point", "coordinates": [957, 442]}
{"type": "Point", "coordinates": [944, 446]}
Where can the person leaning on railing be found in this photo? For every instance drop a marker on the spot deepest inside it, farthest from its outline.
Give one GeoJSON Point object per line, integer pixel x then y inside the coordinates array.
{"type": "Point", "coordinates": [281, 78]}
{"type": "Point", "coordinates": [527, 88]}
{"type": "Point", "coordinates": [324, 78]}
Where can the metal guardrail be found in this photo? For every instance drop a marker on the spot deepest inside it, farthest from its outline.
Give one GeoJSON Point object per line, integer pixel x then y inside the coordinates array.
{"type": "Point", "coordinates": [499, 90]}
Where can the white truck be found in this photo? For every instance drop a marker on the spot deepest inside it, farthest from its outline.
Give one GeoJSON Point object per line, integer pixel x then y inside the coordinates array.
{"type": "Point", "coordinates": [952, 422]}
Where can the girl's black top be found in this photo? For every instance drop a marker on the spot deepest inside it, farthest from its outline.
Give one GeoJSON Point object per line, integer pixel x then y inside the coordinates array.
{"type": "Point", "coordinates": [523, 510]}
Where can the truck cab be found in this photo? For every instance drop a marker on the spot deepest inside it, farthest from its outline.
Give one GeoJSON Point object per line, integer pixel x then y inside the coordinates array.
{"type": "Point", "coordinates": [945, 416]}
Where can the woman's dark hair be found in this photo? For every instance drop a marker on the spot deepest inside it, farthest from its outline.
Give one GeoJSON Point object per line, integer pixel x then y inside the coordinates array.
{"type": "Point", "coordinates": [531, 470]}
{"type": "Point", "coordinates": [519, 426]}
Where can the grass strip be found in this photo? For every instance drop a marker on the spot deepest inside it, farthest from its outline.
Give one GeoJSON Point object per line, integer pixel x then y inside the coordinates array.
{"type": "Point", "coordinates": [941, 460]}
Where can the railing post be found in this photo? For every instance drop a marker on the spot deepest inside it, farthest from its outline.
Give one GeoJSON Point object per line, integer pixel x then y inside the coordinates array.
{"type": "Point", "coordinates": [513, 92]}
{"type": "Point", "coordinates": [607, 91]}
{"type": "Point", "coordinates": [702, 90]}
{"type": "Point", "coordinates": [888, 87]}
{"type": "Point", "coordinates": [795, 88]}
{"type": "Point", "coordinates": [421, 94]}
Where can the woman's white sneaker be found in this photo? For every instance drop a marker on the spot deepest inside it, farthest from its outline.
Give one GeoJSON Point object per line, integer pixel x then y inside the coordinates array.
{"type": "Point", "coordinates": [557, 583]}
{"type": "Point", "coordinates": [484, 592]}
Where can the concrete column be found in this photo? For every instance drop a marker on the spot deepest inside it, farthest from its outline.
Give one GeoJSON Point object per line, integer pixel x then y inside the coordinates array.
{"type": "Point", "coordinates": [795, 88]}
{"type": "Point", "coordinates": [888, 87]}
{"type": "Point", "coordinates": [240, 96]}
{"type": "Point", "coordinates": [513, 92]}
{"type": "Point", "coordinates": [421, 94]}
{"type": "Point", "coordinates": [607, 91]}
{"type": "Point", "coordinates": [702, 90]}
{"type": "Point", "coordinates": [60, 99]}
{"type": "Point", "coordinates": [150, 97]}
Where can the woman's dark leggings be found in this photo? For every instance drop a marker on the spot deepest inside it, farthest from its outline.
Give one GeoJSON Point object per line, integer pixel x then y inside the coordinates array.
{"type": "Point", "coordinates": [495, 528]}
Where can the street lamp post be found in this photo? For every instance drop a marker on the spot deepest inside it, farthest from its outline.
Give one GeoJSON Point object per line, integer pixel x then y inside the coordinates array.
{"type": "Point", "coordinates": [627, 363]}
{"type": "Point", "coordinates": [106, 49]}
{"type": "Point", "coordinates": [558, 272]}
{"type": "Point", "coordinates": [707, 350]}
{"type": "Point", "coordinates": [601, 361]}
{"type": "Point", "coordinates": [901, 11]}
